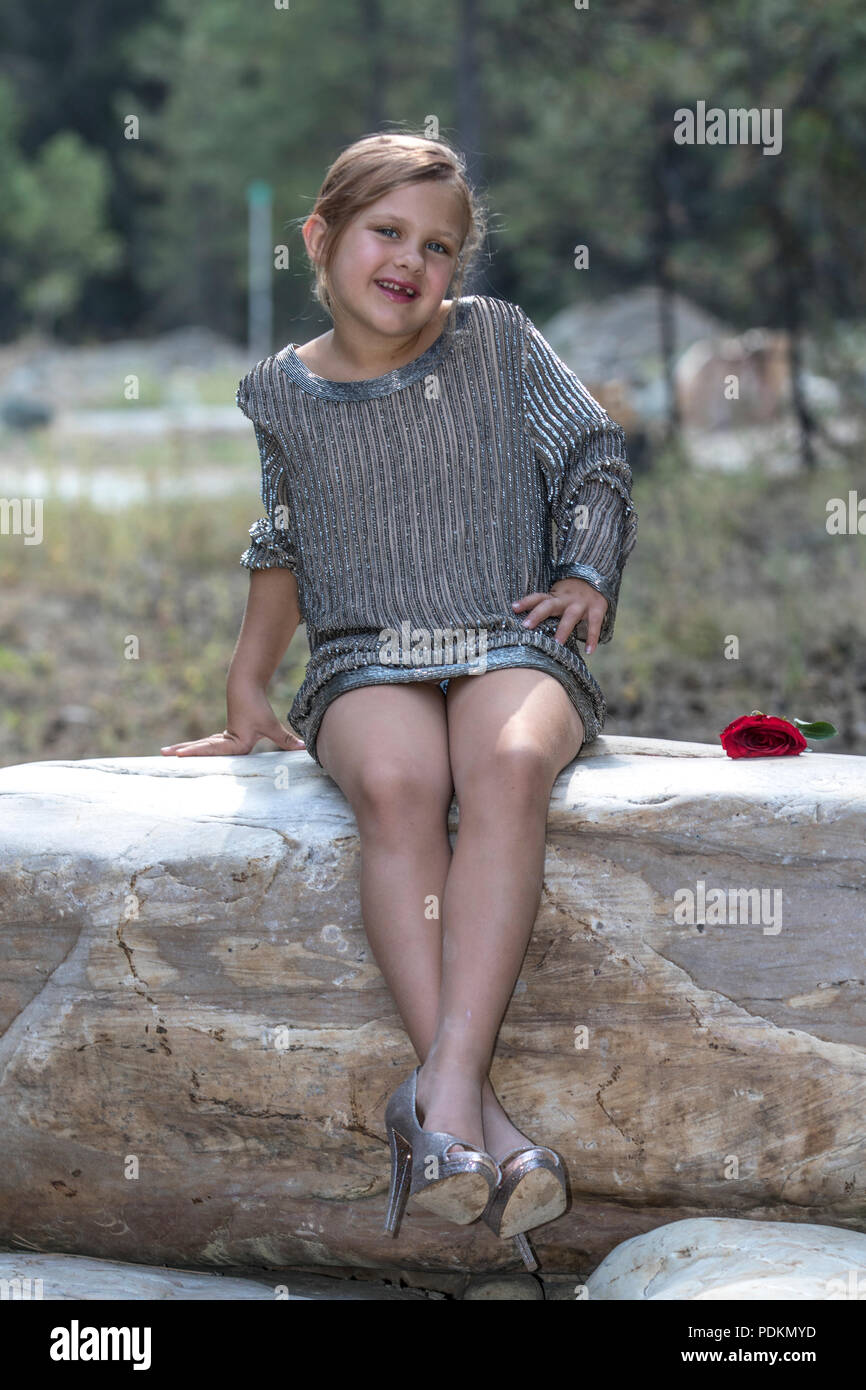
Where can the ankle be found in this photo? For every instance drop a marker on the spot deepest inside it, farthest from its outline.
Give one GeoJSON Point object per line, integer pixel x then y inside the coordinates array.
{"type": "Point", "coordinates": [443, 1076]}
{"type": "Point", "coordinates": [448, 1086]}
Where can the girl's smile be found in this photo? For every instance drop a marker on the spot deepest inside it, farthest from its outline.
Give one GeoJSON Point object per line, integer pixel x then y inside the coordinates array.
{"type": "Point", "coordinates": [398, 290]}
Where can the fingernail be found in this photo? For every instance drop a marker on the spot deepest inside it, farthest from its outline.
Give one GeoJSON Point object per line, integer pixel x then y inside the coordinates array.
{"type": "Point", "coordinates": [515, 603]}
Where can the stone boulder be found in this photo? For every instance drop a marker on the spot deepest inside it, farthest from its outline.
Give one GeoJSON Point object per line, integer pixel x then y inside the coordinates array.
{"type": "Point", "coordinates": [713, 1258]}
{"type": "Point", "coordinates": [756, 365]}
{"type": "Point", "coordinates": [196, 1046]}
{"type": "Point", "coordinates": [26, 1277]}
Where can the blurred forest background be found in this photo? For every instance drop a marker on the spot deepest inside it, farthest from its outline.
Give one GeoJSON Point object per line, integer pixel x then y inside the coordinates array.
{"type": "Point", "coordinates": [124, 256]}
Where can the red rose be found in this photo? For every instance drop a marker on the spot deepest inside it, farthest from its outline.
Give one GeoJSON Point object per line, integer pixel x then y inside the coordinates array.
{"type": "Point", "coordinates": [759, 735]}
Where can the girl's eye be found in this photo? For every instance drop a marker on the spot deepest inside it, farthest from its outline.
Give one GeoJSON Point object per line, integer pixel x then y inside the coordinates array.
{"type": "Point", "coordinates": [442, 248]}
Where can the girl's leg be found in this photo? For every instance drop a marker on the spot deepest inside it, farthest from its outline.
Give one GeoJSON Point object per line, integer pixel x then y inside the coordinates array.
{"type": "Point", "coordinates": [510, 733]}
{"type": "Point", "coordinates": [386, 747]}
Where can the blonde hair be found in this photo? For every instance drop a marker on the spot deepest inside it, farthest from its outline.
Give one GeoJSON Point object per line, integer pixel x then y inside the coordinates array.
{"type": "Point", "coordinates": [377, 164]}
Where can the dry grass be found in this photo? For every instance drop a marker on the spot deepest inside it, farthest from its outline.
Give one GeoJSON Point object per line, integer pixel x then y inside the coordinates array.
{"type": "Point", "coordinates": [716, 555]}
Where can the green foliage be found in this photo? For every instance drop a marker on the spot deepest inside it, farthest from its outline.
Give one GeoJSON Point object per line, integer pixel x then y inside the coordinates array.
{"type": "Point", "coordinates": [566, 114]}
{"type": "Point", "coordinates": [53, 218]}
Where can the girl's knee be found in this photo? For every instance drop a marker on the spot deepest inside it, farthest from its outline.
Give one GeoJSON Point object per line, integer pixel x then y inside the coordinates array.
{"type": "Point", "coordinates": [520, 768]}
{"type": "Point", "coordinates": [396, 792]}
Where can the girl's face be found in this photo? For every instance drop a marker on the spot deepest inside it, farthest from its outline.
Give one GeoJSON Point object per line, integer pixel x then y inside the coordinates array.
{"type": "Point", "coordinates": [411, 236]}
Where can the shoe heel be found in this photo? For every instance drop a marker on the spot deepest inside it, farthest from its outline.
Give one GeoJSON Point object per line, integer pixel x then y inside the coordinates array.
{"type": "Point", "coordinates": [401, 1174]}
{"type": "Point", "coordinates": [463, 1183]}
{"type": "Point", "coordinates": [525, 1251]}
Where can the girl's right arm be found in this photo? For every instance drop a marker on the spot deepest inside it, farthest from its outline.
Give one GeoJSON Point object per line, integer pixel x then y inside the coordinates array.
{"type": "Point", "coordinates": [270, 620]}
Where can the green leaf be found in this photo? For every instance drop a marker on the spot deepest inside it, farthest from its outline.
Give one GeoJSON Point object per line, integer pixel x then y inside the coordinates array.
{"type": "Point", "coordinates": [818, 728]}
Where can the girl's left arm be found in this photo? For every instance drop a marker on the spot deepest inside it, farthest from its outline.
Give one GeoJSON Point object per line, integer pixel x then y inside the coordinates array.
{"type": "Point", "coordinates": [582, 453]}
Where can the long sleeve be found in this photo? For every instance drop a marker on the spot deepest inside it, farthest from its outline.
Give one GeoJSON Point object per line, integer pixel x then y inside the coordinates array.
{"type": "Point", "coordinates": [582, 453]}
{"type": "Point", "coordinates": [272, 536]}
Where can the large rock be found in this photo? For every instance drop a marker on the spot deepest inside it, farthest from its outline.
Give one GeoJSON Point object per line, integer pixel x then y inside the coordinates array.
{"type": "Point", "coordinates": [620, 338]}
{"type": "Point", "coordinates": [198, 1046]}
{"type": "Point", "coordinates": [52, 1278]}
{"type": "Point", "coordinates": [734, 1260]}
{"type": "Point", "coordinates": [756, 364]}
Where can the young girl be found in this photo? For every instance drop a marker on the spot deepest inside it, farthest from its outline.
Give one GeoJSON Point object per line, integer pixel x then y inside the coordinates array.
{"type": "Point", "coordinates": [413, 458]}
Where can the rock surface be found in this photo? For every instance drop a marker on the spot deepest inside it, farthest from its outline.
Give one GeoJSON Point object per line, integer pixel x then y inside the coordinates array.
{"type": "Point", "coordinates": [511, 1290]}
{"type": "Point", "coordinates": [197, 1047]}
{"type": "Point", "coordinates": [25, 1276]}
{"type": "Point", "coordinates": [620, 337]}
{"type": "Point", "coordinates": [708, 1258]}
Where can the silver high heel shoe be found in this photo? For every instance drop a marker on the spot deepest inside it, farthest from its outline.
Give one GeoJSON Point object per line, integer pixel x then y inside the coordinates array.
{"type": "Point", "coordinates": [457, 1187]}
{"type": "Point", "coordinates": [530, 1193]}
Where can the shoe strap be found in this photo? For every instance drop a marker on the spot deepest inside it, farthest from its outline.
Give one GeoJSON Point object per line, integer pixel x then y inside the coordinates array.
{"type": "Point", "coordinates": [469, 1150]}
{"type": "Point", "coordinates": [530, 1149]}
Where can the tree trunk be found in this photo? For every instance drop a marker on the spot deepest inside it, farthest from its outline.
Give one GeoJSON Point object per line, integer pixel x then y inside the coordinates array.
{"type": "Point", "coordinates": [469, 108]}
{"type": "Point", "coordinates": [661, 244]}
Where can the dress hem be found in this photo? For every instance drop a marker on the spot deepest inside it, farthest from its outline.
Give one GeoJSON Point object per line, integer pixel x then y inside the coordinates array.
{"type": "Point", "coordinates": [590, 706]}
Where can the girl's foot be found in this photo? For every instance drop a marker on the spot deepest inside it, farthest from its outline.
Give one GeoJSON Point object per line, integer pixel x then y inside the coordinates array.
{"type": "Point", "coordinates": [450, 1102]}
{"type": "Point", "coordinates": [500, 1135]}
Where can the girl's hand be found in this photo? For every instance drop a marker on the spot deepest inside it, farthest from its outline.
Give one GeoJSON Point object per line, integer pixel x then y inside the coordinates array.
{"type": "Point", "coordinates": [574, 599]}
{"type": "Point", "coordinates": [250, 719]}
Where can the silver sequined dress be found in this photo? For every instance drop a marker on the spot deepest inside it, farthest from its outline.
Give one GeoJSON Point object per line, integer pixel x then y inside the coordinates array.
{"type": "Point", "coordinates": [413, 508]}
